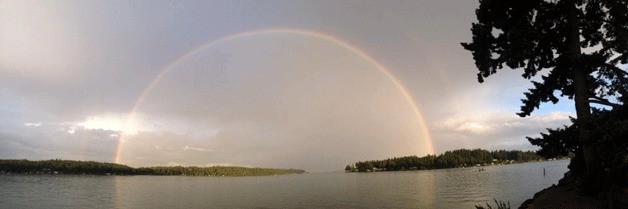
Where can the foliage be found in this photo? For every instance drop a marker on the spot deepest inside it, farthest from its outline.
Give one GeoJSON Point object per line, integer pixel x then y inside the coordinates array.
{"type": "Point", "coordinates": [580, 50]}
{"type": "Point", "coordinates": [538, 35]}
{"type": "Point", "coordinates": [98, 168]}
{"type": "Point", "coordinates": [557, 142]}
{"type": "Point", "coordinates": [500, 205]}
{"type": "Point", "coordinates": [217, 171]}
{"type": "Point", "coordinates": [63, 166]}
{"type": "Point", "coordinates": [449, 159]}
{"type": "Point", "coordinates": [610, 128]}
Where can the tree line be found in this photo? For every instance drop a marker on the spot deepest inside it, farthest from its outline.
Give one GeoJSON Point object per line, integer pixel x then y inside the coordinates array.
{"type": "Point", "coordinates": [100, 168]}
{"type": "Point", "coordinates": [449, 159]}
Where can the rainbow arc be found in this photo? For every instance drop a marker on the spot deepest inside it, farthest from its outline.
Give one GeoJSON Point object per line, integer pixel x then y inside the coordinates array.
{"type": "Point", "coordinates": [314, 34]}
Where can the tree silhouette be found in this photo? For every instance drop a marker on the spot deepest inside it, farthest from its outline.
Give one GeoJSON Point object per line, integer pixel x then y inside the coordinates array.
{"type": "Point", "coordinates": [576, 47]}
{"type": "Point", "coordinates": [98, 168]}
{"type": "Point", "coordinates": [449, 159]}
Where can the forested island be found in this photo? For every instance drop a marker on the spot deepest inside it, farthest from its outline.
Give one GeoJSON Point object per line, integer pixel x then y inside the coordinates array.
{"type": "Point", "coordinates": [99, 168]}
{"type": "Point", "coordinates": [449, 159]}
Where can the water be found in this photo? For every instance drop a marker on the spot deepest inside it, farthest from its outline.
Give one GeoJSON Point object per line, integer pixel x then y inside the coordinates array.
{"type": "Point", "coordinates": [447, 188]}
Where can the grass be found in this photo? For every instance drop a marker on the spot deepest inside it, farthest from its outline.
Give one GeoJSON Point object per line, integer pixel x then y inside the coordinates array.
{"type": "Point", "coordinates": [498, 204]}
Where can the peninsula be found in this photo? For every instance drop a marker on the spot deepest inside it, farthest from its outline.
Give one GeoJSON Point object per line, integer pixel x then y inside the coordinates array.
{"type": "Point", "coordinates": [99, 168]}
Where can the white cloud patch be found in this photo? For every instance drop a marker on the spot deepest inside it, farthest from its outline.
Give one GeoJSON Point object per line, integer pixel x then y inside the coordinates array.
{"type": "Point", "coordinates": [496, 122]}
{"type": "Point", "coordinates": [498, 130]}
{"type": "Point", "coordinates": [104, 122]}
{"type": "Point", "coordinates": [32, 124]}
{"type": "Point", "coordinates": [188, 148]}
{"type": "Point", "coordinates": [472, 127]}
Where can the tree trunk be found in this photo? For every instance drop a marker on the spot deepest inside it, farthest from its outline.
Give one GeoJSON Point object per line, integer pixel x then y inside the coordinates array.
{"type": "Point", "coordinates": [581, 92]}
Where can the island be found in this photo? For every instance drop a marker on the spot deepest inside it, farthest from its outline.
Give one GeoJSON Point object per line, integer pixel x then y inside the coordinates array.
{"type": "Point", "coordinates": [450, 159]}
{"type": "Point", "coordinates": [58, 166]}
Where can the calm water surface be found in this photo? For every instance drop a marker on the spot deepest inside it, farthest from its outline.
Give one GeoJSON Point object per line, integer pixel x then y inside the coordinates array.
{"type": "Point", "coordinates": [447, 188]}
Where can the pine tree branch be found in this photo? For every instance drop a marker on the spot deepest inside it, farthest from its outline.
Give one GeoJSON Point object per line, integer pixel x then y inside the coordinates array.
{"type": "Point", "coordinates": [616, 69]}
{"type": "Point", "coordinates": [602, 101]}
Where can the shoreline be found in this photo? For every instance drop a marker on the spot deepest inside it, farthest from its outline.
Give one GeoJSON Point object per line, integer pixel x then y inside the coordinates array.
{"type": "Point", "coordinates": [488, 165]}
{"type": "Point", "coordinates": [567, 194]}
{"type": "Point", "coordinates": [563, 195]}
{"type": "Point", "coordinates": [73, 167]}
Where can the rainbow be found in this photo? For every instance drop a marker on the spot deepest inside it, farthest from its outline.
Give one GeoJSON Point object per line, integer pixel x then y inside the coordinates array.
{"type": "Point", "coordinates": [315, 34]}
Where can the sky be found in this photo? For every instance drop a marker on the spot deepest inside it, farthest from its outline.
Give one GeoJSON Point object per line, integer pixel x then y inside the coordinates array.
{"type": "Point", "coordinates": [314, 85]}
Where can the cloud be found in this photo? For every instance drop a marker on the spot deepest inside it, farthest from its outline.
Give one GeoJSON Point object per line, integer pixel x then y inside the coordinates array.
{"type": "Point", "coordinates": [497, 122]}
{"type": "Point", "coordinates": [43, 35]}
{"type": "Point", "coordinates": [498, 130]}
{"type": "Point", "coordinates": [272, 100]}
{"type": "Point", "coordinates": [32, 124]}
{"type": "Point", "coordinates": [188, 148]}
{"type": "Point", "coordinates": [472, 127]}
{"type": "Point", "coordinates": [50, 141]}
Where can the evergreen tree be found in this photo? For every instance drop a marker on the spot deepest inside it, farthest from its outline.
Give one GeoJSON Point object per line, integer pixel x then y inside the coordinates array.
{"type": "Point", "coordinates": [449, 159]}
{"type": "Point", "coordinates": [582, 44]}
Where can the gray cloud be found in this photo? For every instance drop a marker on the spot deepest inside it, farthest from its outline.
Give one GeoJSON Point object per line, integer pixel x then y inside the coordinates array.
{"type": "Point", "coordinates": [71, 74]}
{"type": "Point", "coordinates": [54, 141]}
{"type": "Point", "coordinates": [323, 110]}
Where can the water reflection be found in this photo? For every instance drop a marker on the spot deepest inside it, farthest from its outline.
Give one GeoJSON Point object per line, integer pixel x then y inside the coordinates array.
{"type": "Point", "coordinates": [448, 188]}
{"type": "Point", "coordinates": [513, 183]}
{"type": "Point", "coordinates": [56, 191]}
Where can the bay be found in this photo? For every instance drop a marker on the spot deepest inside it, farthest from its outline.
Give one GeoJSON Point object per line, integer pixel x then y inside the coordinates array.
{"type": "Point", "coordinates": [446, 188]}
